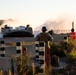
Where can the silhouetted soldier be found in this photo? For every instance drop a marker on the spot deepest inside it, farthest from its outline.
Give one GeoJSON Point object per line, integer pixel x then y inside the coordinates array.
{"type": "Point", "coordinates": [47, 38]}
{"type": "Point", "coordinates": [29, 29]}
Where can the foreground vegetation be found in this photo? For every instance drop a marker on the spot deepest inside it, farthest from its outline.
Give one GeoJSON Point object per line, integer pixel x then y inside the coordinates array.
{"type": "Point", "coordinates": [60, 49]}
{"type": "Point", "coordinates": [25, 63]}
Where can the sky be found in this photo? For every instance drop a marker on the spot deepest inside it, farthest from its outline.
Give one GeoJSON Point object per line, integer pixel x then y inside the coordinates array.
{"type": "Point", "coordinates": [36, 12]}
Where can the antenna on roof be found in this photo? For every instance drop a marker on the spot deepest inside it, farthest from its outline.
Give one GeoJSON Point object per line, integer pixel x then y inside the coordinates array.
{"type": "Point", "coordinates": [72, 30]}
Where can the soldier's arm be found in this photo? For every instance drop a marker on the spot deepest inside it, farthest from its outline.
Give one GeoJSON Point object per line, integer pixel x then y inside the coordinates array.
{"type": "Point", "coordinates": [37, 37]}
{"type": "Point", "coordinates": [50, 38]}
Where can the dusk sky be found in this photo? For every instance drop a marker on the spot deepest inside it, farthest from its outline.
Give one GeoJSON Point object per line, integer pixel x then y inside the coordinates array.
{"type": "Point", "coordinates": [36, 12]}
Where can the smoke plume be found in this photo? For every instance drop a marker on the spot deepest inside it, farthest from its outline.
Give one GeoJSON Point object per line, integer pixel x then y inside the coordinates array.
{"type": "Point", "coordinates": [6, 21]}
{"type": "Point", "coordinates": [1, 22]}
{"type": "Point", "coordinates": [61, 23]}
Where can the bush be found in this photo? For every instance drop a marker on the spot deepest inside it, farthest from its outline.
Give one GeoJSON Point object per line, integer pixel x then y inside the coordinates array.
{"type": "Point", "coordinates": [56, 49]}
{"type": "Point", "coordinates": [71, 45]}
{"type": "Point", "coordinates": [56, 72]}
{"type": "Point", "coordinates": [24, 64]}
{"type": "Point", "coordinates": [71, 57]}
{"type": "Point", "coordinates": [55, 61]}
{"type": "Point", "coordinates": [62, 48]}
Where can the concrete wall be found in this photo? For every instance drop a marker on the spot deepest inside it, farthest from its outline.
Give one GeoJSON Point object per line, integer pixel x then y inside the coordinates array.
{"type": "Point", "coordinates": [9, 51]}
{"type": "Point", "coordinates": [5, 64]}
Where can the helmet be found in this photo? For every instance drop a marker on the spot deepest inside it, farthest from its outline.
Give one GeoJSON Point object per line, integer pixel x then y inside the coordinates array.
{"type": "Point", "coordinates": [44, 28]}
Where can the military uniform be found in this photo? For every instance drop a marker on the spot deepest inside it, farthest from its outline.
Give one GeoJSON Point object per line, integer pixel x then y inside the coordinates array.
{"type": "Point", "coordinates": [46, 37]}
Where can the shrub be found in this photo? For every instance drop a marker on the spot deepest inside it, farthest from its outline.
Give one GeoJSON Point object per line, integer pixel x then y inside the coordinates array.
{"type": "Point", "coordinates": [62, 48]}
{"type": "Point", "coordinates": [71, 45]}
{"type": "Point", "coordinates": [71, 57]}
{"type": "Point", "coordinates": [24, 64]}
{"type": "Point", "coordinates": [56, 72]}
{"type": "Point", "coordinates": [55, 61]}
{"type": "Point", "coordinates": [57, 49]}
